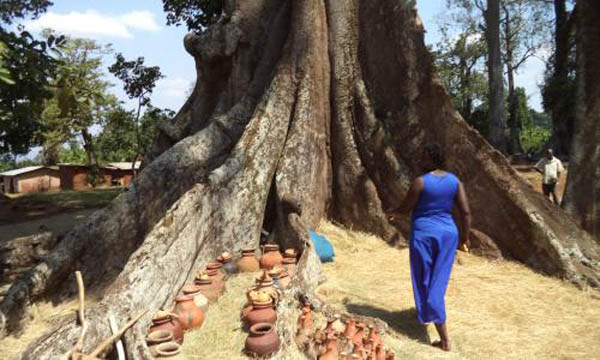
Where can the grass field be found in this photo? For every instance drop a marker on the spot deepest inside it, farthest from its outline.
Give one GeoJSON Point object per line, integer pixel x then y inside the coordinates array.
{"type": "Point", "coordinates": [496, 310]}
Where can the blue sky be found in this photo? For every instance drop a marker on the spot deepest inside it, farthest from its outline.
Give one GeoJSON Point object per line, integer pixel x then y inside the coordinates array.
{"type": "Point", "coordinates": [137, 28]}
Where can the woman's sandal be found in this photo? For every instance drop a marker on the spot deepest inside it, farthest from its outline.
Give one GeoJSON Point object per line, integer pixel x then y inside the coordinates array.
{"type": "Point", "coordinates": [439, 345]}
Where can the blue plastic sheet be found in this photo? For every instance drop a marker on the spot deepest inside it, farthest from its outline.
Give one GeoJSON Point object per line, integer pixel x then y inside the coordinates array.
{"type": "Point", "coordinates": [323, 247]}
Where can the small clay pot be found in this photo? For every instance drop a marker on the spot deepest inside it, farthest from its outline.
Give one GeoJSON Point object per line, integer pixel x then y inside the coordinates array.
{"type": "Point", "coordinates": [262, 312]}
{"type": "Point", "coordinates": [379, 353]}
{"type": "Point", "coordinates": [208, 288]}
{"type": "Point", "coordinates": [164, 321]}
{"type": "Point", "coordinates": [330, 354]}
{"type": "Point", "coordinates": [271, 257]}
{"type": "Point", "coordinates": [189, 315]}
{"type": "Point", "coordinates": [359, 336]}
{"type": "Point", "coordinates": [155, 338]}
{"type": "Point", "coordinates": [281, 278]}
{"type": "Point", "coordinates": [169, 350]}
{"type": "Point", "coordinates": [350, 328]}
{"type": "Point", "coordinates": [290, 253]}
{"type": "Point", "coordinates": [389, 355]}
{"type": "Point", "coordinates": [248, 261]}
{"type": "Point", "coordinates": [199, 299]}
{"type": "Point", "coordinates": [216, 268]}
{"type": "Point", "coordinates": [262, 340]}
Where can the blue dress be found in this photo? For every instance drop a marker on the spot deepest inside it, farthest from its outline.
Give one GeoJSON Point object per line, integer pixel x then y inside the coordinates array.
{"type": "Point", "coordinates": [434, 239]}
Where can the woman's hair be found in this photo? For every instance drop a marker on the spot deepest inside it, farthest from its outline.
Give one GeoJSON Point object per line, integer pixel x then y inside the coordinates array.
{"type": "Point", "coordinates": [436, 155]}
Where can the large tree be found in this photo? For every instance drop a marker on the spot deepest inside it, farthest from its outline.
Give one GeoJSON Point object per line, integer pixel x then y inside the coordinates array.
{"type": "Point", "coordinates": [582, 195]}
{"type": "Point", "coordinates": [302, 109]}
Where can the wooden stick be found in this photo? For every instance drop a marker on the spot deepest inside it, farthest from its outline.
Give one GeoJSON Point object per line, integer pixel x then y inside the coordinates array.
{"type": "Point", "coordinates": [113, 328]}
{"type": "Point", "coordinates": [84, 324]}
{"type": "Point", "coordinates": [106, 343]}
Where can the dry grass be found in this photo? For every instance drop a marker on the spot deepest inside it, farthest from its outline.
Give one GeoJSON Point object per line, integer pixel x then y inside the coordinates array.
{"type": "Point", "coordinates": [496, 310]}
{"type": "Point", "coordinates": [45, 315]}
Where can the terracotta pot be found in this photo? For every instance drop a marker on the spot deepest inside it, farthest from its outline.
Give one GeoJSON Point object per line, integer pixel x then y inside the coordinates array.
{"type": "Point", "coordinates": [262, 340]}
{"type": "Point", "coordinates": [262, 312]}
{"type": "Point", "coordinates": [248, 261]}
{"type": "Point", "coordinates": [331, 354]}
{"type": "Point", "coordinates": [350, 328]}
{"type": "Point", "coordinates": [389, 355]}
{"type": "Point", "coordinates": [228, 265]}
{"type": "Point", "coordinates": [379, 353]}
{"type": "Point", "coordinates": [199, 299]}
{"type": "Point", "coordinates": [359, 336]}
{"type": "Point", "coordinates": [169, 350]}
{"type": "Point", "coordinates": [358, 350]}
{"type": "Point", "coordinates": [190, 316]}
{"type": "Point", "coordinates": [290, 253]}
{"type": "Point", "coordinates": [281, 279]}
{"type": "Point", "coordinates": [216, 268]}
{"type": "Point", "coordinates": [208, 288]}
{"type": "Point", "coordinates": [155, 338]}
{"type": "Point", "coordinates": [164, 321]}
{"type": "Point", "coordinates": [271, 257]}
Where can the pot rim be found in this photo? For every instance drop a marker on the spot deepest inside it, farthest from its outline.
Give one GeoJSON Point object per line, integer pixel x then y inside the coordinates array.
{"type": "Point", "coordinates": [191, 289]}
{"type": "Point", "coordinates": [168, 348]}
{"type": "Point", "coordinates": [159, 336]}
{"type": "Point", "coordinates": [214, 265]}
{"type": "Point", "coordinates": [182, 298]}
{"type": "Point", "coordinates": [260, 329]}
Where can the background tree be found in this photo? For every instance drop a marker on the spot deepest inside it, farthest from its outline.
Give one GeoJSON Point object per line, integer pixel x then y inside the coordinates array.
{"type": "Point", "coordinates": [138, 82]}
{"type": "Point", "coordinates": [72, 153]}
{"type": "Point", "coordinates": [560, 79]}
{"type": "Point", "coordinates": [26, 69]}
{"type": "Point", "coordinates": [459, 63]}
{"type": "Point", "coordinates": [582, 195]}
{"type": "Point", "coordinates": [80, 98]}
{"type": "Point", "coordinates": [524, 28]}
{"type": "Point", "coordinates": [196, 14]}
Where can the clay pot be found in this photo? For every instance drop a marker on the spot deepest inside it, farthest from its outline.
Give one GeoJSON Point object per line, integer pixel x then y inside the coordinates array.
{"type": "Point", "coordinates": [358, 350]}
{"type": "Point", "coordinates": [265, 283]}
{"type": "Point", "coordinates": [389, 355]}
{"type": "Point", "coordinates": [199, 299]}
{"type": "Point", "coordinates": [281, 278]}
{"type": "Point", "coordinates": [216, 269]}
{"type": "Point", "coordinates": [262, 312]}
{"type": "Point", "coordinates": [379, 353]}
{"type": "Point", "coordinates": [155, 338]}
{"type": "Point", "coordinates": [169, 350]}
{"type": "Point", "coordinates": [190, 316]}
{"type": "Point", "coordinates": [262, 340]}
{"type": "Point", "coordinates": [228, 265]}
{"type": "Point", "coordinates": [290, 253]}
{"type": "Point", "coordinates": [331, 354]}
{"type": "Point", "coordinates": [164, 321]}
{"type": "Point", "coordinates": [290, 265]}
{"type": "Point", "coordinates": [208, 288]}
{"type": "Point", "coordinates": [350, 328]}
{"type": "Point", "coordinates": [248, 261]}
{"type": "Point", "coordinates": [359, 336]}
{"type": "Point", "coordinates": [271, 257]}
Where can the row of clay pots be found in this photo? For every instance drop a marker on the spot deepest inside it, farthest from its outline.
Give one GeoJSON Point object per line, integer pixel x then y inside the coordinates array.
{"type": "Point", "coordinates": [340, 341]}
{"type": "Point", "coordinates": [166, 333]}
{"type": "Point", "coordinates": [260, 315]}
{"type": "Point", "coordinates": [270, 259]}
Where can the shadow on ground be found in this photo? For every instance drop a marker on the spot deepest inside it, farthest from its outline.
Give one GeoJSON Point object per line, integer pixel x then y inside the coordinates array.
{"type": "Point", "coordinates": [403, 322]}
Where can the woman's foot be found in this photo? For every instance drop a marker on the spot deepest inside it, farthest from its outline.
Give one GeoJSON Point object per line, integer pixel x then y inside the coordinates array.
{"type": "Point", "coordinates": [444, 345]}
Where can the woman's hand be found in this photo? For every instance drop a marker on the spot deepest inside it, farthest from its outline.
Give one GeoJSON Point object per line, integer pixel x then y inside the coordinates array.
{"type": "Point", "coordinates": [465, 242]}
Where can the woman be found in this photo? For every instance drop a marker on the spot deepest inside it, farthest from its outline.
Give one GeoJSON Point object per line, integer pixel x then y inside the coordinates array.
{"type": "Point", "coordinates": [434, 237]}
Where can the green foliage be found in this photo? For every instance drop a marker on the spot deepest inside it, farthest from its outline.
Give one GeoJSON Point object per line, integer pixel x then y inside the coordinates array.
{"type": "Point", "coordinates": [11, 9]}
{"type": "Point", "coordinates": [138, 80]}
{"type": "Point", "coordinates": [72, 152]}
{"type": "Point", "coordinates": [534, 137]}
{"type": "Point", "coordinates": [10, 162]}
{"type": "Point", "coordinates": [196, 14]}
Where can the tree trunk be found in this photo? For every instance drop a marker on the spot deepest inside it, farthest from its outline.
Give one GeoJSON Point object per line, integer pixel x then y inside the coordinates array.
{"type": "Point", "coordinates": [497, 114]}
{"type": "Point", "coordinates": [302, 109]}
{"type": "Point", "coordinates": [514, 144]}
{"type": "Point", "coordinates": [562, 120]}
{"type": "Point", "coordinates": [582, 196]}
{"type": "Point", "coordinates": [88, 145]}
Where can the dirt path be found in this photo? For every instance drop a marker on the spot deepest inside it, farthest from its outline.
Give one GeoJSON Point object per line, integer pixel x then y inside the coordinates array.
{"type": "Point", "coordinates": [496, 310]}
{"type": "Point", "coordinates": [57, 224]}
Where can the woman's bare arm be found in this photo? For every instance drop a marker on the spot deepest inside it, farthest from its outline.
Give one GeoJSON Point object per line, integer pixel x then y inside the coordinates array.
{"type": "Point", "coordinates": [411, 199]}
{"type": "Point", "coordinates": [465, 212]}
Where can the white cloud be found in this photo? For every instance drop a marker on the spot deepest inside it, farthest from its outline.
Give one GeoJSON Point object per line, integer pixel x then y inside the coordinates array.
{"type": "Point", "coordinates": [93, 23]}
{"type": "Point", "coordinates": [174, 87]}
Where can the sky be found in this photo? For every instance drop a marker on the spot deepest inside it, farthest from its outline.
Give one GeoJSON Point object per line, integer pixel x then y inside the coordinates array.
{"type": "Point", "coordinates": [138, 28]}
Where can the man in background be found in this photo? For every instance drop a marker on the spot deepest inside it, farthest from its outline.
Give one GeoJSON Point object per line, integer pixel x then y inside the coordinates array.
{"type": "Point", "coordinates": [550, 167]}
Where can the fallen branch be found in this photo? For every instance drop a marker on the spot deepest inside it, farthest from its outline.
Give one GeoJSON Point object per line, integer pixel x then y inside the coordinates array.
{"type": "Point", "coordinates": [106, 343]}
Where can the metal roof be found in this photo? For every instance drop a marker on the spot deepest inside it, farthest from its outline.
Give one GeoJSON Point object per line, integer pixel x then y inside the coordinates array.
{"type": "Point", "coordinates": [124, 165]}
{"type": "Point", "coordinates": [20, 171]}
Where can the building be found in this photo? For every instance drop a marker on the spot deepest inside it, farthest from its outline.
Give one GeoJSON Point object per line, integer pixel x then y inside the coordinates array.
{"type": "Point", "coordinates": [30, 179]}
{"type": "Point", "coordinates": [77, 177]}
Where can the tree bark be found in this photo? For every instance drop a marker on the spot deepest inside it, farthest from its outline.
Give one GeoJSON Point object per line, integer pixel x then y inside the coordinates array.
{"type": "Point", "coordinates": [88, 145]}
{"type": "Point", "coordinates": [497, 114]}
{"type": "Point", "coordinates": [514, 144]}
{"type": "Point", "coordinates": [582, 195]}
{"type": "Point", "coordinates": [562, 120]}
{"type": "Point", "coordinates": [302, 109]}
